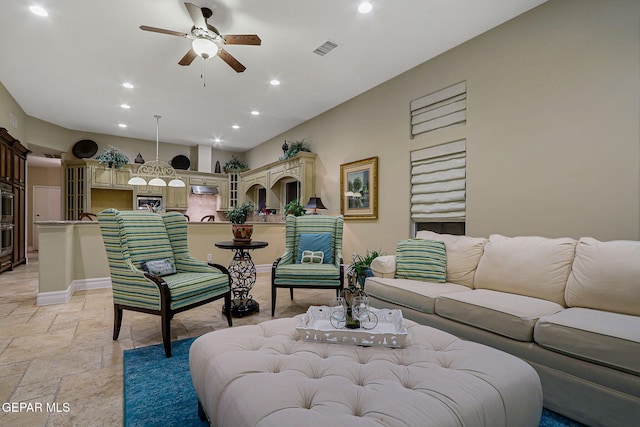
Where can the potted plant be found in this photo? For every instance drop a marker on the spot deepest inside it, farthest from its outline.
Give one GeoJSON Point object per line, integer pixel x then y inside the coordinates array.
{"type": "Point", "coordinates": [111, 157]}
{"type": "Point", "coordinates": [360, 267]}
{"type": "Point", "coordinates": [238, 216]}
{"type": "Point", "coordinates": [294, 208]}
{"type": "Point", "coordinates": [293, 148]}
{"type": "Point", "coordinates": [234, 165]}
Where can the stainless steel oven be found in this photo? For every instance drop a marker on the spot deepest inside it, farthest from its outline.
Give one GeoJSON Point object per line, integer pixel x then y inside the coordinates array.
{"type": "Point", "coordinates": [6, 239]}
{"type": "Point", "coordinates": [6, 207]}
{"type": "Point", "coordinates": [148, 202]}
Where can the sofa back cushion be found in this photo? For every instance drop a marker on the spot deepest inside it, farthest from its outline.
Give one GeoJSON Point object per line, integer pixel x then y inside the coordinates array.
{"type": "Point", "coordinates": [605, 276]}
{"type": "Point", "coordinates": [463, 255]}
{"type": "Point", "coordinates": [532, 266]}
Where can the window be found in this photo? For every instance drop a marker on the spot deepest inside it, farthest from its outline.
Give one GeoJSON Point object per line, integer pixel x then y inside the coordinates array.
{"type": "Point", "coordinates": [438, 183]}
{"type": "Point", "coordinates": [446, 107]}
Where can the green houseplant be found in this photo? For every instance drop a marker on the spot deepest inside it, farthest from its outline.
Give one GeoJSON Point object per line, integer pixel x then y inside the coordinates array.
{"type": "Point", "coordinates": [294, 208]}
{"type": "Point", "coordinates": [234, 165]}
{"type": "Point", "coordinates": [360, 267]}
{"type": "Point", "coordinates": [238, 216]}
{"type": "Point", "coordinates": [111, 157]}
{"type": "Point", "coordinates": [293, 148]}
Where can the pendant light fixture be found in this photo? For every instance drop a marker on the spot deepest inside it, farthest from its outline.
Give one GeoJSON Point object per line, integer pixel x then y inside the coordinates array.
{"type": "Point", "coordinates": [156, 171]}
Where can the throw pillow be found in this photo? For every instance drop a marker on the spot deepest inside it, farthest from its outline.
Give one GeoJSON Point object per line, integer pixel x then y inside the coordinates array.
{"type": "Point", "coordinates": [315, 242]}
{"type": "Point", "coordinates": [420, 259]}
{"type": "Point", "coordinates": [160, 267]}
{"type": "Point", "coordinates": [310, 257]}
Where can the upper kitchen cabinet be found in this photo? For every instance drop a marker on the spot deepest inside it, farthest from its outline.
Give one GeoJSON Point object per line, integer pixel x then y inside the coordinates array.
{"type": "Point", "coordinates": [221, 182]}
{"type": "Point", "coordinates": [105, 177]}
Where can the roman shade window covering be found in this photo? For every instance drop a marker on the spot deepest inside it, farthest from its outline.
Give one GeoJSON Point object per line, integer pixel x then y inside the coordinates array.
{"type": "Point", "coordinates": [438, 183]}
{"type": "Point", "coordinates": [446, 107]}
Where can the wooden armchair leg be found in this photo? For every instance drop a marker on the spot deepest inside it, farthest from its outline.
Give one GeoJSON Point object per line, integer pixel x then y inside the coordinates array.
{"type": "Point", "coordinates": [166, 333]}
{"type": "Point", "coordinates": [117, 321]}
{"type": "Point", "coordinates": [291, 293]}
{"type": "Point", "coordinates": [273, 299]}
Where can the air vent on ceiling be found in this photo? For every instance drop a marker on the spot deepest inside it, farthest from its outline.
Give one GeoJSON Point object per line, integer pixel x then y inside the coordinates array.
{"type": "Point", "coordinates": [325, 48]}
{"type": "Point", "coordinates": [52, 156]}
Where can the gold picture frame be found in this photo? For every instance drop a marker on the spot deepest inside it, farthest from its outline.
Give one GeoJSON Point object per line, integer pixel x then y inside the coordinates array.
{"type": "Point", "coordinates": [359, 189]}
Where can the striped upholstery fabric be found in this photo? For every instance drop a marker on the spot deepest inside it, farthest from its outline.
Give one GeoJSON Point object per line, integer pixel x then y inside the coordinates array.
{"type": "Point", "coordinates": [131, 237]}
{"type": "Point", "coordinates": [288, 272]}
{"type": "Point", "coordinates": [421, 259]}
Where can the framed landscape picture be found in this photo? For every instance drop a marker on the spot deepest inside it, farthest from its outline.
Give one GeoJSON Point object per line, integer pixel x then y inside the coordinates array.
{"type": "Point", "coordinates": [359, 189]}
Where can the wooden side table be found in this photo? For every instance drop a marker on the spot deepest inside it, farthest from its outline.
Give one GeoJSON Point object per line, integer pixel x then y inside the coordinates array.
{"type": "Point", "coordinates": [243, 275]}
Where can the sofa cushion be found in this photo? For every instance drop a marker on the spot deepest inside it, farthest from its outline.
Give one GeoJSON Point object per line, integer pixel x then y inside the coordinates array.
{"type": "Point", "coordinates": [511, 315]}
{"type": "Point", "coordinates": [463, 255]}
{"type": "Point", "coordinates": [605, 276]}
{"type": "Point", "coordinates": [419, 259]}
{"type": "Point", "coordinates": [532, 266]}
{"type": "Point", "coordinates": [601, 337]}
{"type": "Point", "coordinates": [415, 294]}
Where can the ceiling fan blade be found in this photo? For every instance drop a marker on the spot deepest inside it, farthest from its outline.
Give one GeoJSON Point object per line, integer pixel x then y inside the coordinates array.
{"type": "Point", "coordinates": [233, 62]}
{"type": "Point", "coordinates": [188, 58]}
{"type": "Point", "coordinates": [160, 30]}
{"type": "Point", "coordinates": [196, 15]}
{"type": "Point", "coordinates": [250, 39]}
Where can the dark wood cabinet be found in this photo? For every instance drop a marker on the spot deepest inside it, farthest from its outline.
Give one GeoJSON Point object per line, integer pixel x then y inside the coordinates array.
{"type": "Point", "coordinates": [13, 182]}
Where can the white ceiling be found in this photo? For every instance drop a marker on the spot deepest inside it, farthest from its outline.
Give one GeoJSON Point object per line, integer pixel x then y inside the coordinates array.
{"type": "Point", "coordinates": [68, 68]}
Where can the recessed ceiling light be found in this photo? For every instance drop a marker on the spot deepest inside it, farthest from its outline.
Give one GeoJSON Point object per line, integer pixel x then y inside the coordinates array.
{"type": "Point", "coordinates": [37, 10]}
{"type": "Point", "coordinates": [217, 140]}
{"type": "Point", "coordinates": [365, 7]}
{"type": "Point", "coordinates": [275, 82]}
{"type": "Point", "coordinates": [125, 106]}
{"type": "Point", "coordinates": [255, 113]}
{"type": "Point", "coordinates": [127, 85]}
{"type": "Point", "coordinates": [122, 125]}
{"type": "Point", "coordinates": [235, 127]}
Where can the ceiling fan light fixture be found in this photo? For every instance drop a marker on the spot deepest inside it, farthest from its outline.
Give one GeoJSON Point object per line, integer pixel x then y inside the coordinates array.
{"type": "Point", "coordinates": [204, 48]}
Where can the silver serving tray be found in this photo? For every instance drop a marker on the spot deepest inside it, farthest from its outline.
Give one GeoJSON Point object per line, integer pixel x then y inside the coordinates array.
{"type": "Point", "coordinates": [389, 332]}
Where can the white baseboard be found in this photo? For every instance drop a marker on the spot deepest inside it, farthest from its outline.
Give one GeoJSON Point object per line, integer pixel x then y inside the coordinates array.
{"type": "Point", "coordinates": [63, 297]}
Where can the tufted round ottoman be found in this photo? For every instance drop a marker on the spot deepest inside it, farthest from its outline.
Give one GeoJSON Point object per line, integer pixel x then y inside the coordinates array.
{"type": "Point", "coordinates": [262, 375]}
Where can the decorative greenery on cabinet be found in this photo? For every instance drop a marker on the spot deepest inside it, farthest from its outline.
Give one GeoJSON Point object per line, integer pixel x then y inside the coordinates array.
{"type": "Point", "coordinates": [111, 157]}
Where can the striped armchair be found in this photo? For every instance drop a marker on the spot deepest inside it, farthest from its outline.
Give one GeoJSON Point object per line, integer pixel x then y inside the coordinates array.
{"type": "Point", "coordinates": [131, 240]}
{"type": "Point", "coordinates": [289, 272]}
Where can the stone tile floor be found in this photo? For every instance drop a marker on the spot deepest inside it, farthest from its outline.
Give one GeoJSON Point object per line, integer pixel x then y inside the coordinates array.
{"type": "Point", "coordinates": [63, 355]}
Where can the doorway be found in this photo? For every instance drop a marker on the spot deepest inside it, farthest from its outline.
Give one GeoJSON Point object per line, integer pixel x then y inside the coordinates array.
{"type": "Point", "coordinates": [46, 207]}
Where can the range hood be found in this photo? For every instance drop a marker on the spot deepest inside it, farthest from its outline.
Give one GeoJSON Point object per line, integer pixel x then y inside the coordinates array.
{"type": "Point", "coordinates": [204, 189]}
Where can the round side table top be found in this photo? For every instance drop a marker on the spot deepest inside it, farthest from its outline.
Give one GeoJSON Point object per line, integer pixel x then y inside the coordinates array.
{"type": "Point", "coordinates": [230, 244]}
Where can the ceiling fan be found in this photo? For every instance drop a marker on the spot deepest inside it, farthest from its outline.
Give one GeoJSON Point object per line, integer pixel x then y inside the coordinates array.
{"type": "Point", "coordinates": [207, 40]}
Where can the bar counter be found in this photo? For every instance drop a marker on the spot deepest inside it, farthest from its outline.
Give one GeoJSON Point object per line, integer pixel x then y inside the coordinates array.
{"type": "Point", "coordinates": [72, 256]}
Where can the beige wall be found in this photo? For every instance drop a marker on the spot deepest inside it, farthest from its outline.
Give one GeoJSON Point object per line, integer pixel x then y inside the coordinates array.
{"type": "Point", "coordinates": [552, 130]}
{"type": "Point", "coordinates": [8, 106]}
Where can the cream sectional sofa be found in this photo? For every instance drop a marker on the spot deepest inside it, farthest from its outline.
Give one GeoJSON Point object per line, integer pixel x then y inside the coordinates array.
{"type": "Point", "coordinates": [570, 308]}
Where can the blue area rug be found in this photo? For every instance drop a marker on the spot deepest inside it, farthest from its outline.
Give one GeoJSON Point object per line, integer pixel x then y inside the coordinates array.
{"type": "Point", "coordinates": [159, 392]}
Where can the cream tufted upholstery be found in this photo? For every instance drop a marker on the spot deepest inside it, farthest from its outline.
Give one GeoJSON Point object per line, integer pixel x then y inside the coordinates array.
{"type": "Point", "coordinates": [261, 375]}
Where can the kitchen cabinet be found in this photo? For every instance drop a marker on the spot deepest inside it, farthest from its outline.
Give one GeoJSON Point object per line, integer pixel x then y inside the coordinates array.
{"type": "Point", "coordinates": [176, 197]}
{"type": "Point", "coordinates": [149, 190]}
{"type": "Point", "coordinates": [13, 165]}
{"type": "Point", "coordinates": [104, 177]}
{"type": "Point", "coordinates": [275, 176]}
